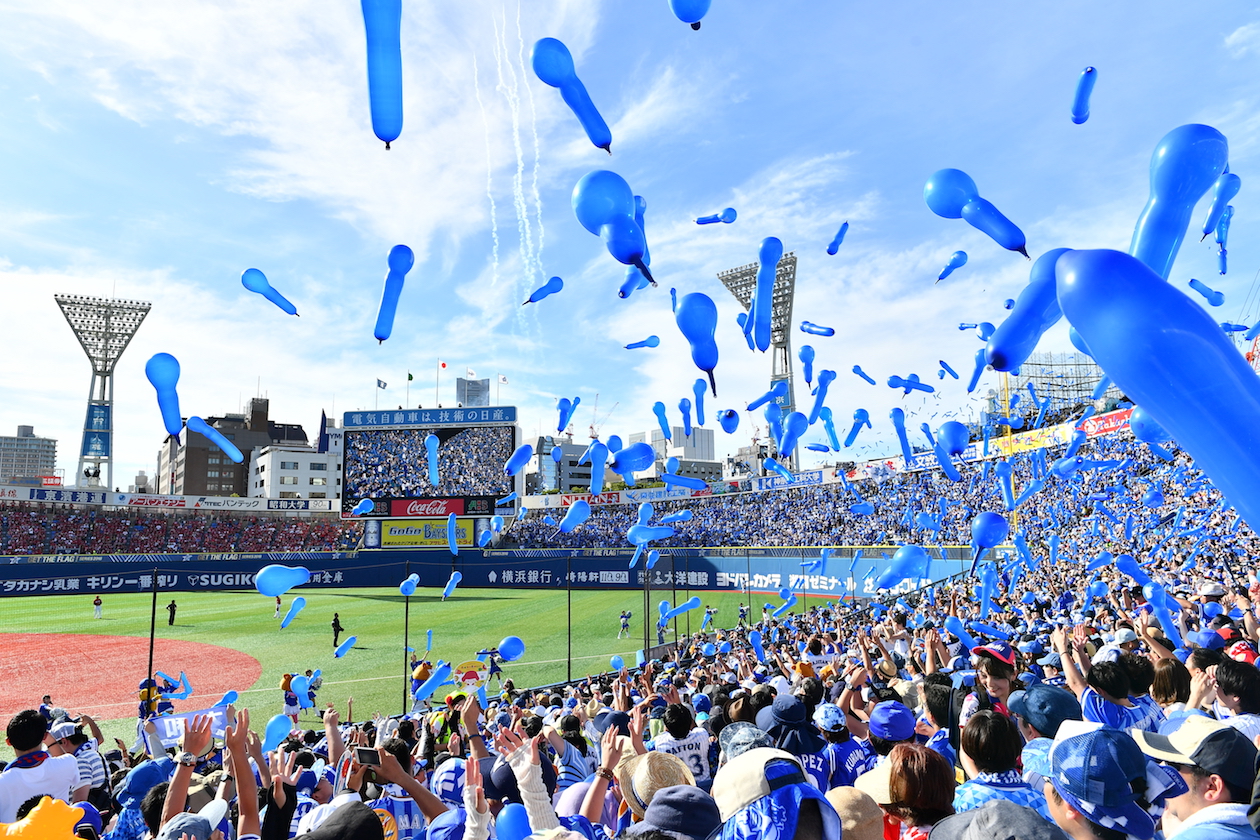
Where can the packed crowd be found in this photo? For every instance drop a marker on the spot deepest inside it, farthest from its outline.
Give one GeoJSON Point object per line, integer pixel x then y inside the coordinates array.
{"type": "Point", "coordinates": [396, 463]}
{"type": "Point", "coordinates": [41, 529]}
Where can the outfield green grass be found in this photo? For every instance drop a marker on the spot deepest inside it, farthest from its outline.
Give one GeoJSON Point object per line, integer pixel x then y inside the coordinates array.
{"type": "Point", "coordinates": [372, 673]}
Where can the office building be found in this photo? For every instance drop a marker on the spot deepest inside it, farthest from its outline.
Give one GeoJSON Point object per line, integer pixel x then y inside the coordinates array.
{"type": "Point", "coordinates": [25, 456]}
{"type": "Point", "coordinates": [286, 471]}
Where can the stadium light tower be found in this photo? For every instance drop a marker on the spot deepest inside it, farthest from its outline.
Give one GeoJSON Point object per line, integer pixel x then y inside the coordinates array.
{"type": "Point", "coordinates": [742, 282]}
{"type": "Point", "coordinates": [104, 329]}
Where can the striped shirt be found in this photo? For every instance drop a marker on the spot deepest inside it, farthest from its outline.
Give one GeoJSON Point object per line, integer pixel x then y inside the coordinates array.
{"type": "Point", "coordinates": [1144, 714]}
{"type": "Point", "coordinates": [91, 765]}
{"type": "Point", "coordinates": [400, 817]}
{"type": "Point", "coordinates": [1008, 785]}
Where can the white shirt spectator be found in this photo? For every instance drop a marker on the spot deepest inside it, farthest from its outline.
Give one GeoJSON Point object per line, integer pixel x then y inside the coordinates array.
{"type": "Point", "coordinates": [56, 777]}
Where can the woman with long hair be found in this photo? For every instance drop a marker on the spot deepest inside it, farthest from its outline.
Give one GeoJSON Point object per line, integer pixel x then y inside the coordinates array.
{"type": "Point", "coordinates": [995, 681]}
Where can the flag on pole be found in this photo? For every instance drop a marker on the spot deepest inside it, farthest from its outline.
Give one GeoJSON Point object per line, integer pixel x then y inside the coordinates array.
{"type": "Point", "coordinates": [409, 376]}
{"type": "Point", "coordinates": [470, 373]}
{"type": "Point", "coordinates": [441, 365]}
{"type": "Point", "coordinates": [380, 383]}
{"type": "Point", "coordinates": [502, 379]}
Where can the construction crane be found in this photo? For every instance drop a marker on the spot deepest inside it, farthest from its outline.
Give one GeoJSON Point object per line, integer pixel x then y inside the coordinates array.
{"type": "Point", "coordinates": [596, 423]}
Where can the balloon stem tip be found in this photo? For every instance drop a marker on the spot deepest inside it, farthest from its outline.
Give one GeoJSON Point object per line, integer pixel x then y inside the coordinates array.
{"type": "Point", "coordinates": [696, 26]}
{"type": "Point", "coordinates": [387, 146]}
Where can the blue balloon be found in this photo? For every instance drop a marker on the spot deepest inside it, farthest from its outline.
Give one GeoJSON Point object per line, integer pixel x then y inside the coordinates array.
{"type": "Point", "coordinates": [408, 586]}
{"type": "Point", "coordinates": [777, 392]}
{"type": "Point", "coordinates": [383, 21]}
{"type": "Point", "coordinates": [616, 663]}
{"type": "Point", "coordinates": [709, 649]}
{"type": "Point", "coordinates": [300, 686]}
{"type": "Point", "coordinates": [829, 426]}
{"type": "Point", "coordinates": [690, 11]}
{"type": "Point", "coordinates": [956, 261]}
{"type": "Point", "coordinates": [519, 459]}
{"type": "Point", "coordinates": [858, 370]}
{"type": "Point", "coordinates": [1177, 365]}
{"type": "Point", "coordinates": [431, 446]}
{"type": "Point", "coordinates": [835, 243]}
{"type": "Point", "coordinates": [566, 412]}
{"type": "Point", "coordinates": [364, 506]}
{"type": "Point", "coordinates": [511, 648]}
{"type": "Point", "coordinates": [658, 409]}
{"type": "Point", "coordinates": [1223, 191]}
{"type": "Point", "coordinates": [400, 261]}
{"type": "Point", "coordinates": [698, 389]}
{"type": "Point", "coordinates": [451, 583]}
{"type": "Point", "coordinates": [344, 647]}
{"type": "Point", "coordinates": [650, 341]}
{"type": "Point", "coordinates": [953, 437]}
{"type": "Point", "coordinates": [452, 539]}
{"type": "Point", "coordinates": [296, 607]}
{"type": "Point", "coordinates": [644, 534]}
{"type": "Point", "coordinates": [794, 425]}
{"type": "Point", "coordinates": [1184, 166]}
{"type": "Point", "coordinates": [496, 523]}
{"type": "Point", "coordinates": [954, 625]}
{"type": "Point", "coordinates": [951, 194]}
{"type": "Point", "coordinates": [599, 459]}
{"type": "Point", "coordinates": [945, 368]}
{"type": "Point", "coordinates": [163, 373]}
{"type": "Point", "coordinates": [274, 580]}
{"type": "Point", "coordinates": [909, 383]}
{"type": "Point", "coordinates": [1222, 227]}
{"type": "Point", "coordinates": [861, 417]}
{"type": "Point", "coordinates": [815, 329]}
{"type": "Point", "coordinates": [256, 282]}
{"type": "Point", "coordinates": [825, 378]}
{"type": "Point", "coordinates": [625, 240]}
{"type": "Point", "coordinates": [754, 640]}
{"type": "Point", "coordinates": [684, 407]}
{"type": "Point", "coordinates": [278, 728]}
{"type": "Point", "coordinates": [761, 307]}
{"type": "Point", "coordinates": [908, 562]}
{"type": "Point", "coordinates": [677, 516]}
{"type": "Point", "coordinates": [553, 65]}
{"type": "Point", "coordinates": [1003, 471]}
{"type": "Point", "coordinates": [1213, 298]}
{"type": "Point", "coordinates": [635, 457]}
{"type": "Point", "coordinates": [728, 419]}
{"type": "Point", "coordinates": [201, 427]}
{"type": "Point", "coordinates": [1035, 311]}
{"type": "Point", "coordinates": [229, 698]}
{"type": "Point", "coordinates": [726, 217]}
{"type": "Point", "coordinates": [985, 330]}
{"type": "Point", "coordinates": [697, 320]}
{"type": "Point", "coordinates": [441, 673]}
{"type": "Point", "coordinates": [898, 417]}
{"type": "Point", "coordinates": [601, 196]}
{"type": "Point", "coordinates": [774, 419]}
{"type": "Point", "coordinates": [806, 355]}
{"type": "Point", "coordinates": [1084, 87]}
{"type": "Point", "coordinates": [576, 515]}
{"type": "Point", "coordinates": [988, 529]}
{"type": "Point", "coordinates": [547, 289]}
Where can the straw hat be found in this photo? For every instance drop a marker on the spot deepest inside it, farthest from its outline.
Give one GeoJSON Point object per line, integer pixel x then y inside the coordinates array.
{"type": "Point", "coordinates": [641, 776]}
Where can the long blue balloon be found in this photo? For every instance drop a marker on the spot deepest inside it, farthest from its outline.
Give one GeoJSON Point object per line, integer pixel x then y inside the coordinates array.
{"type": "Point", "coordinates": [684, 408]}
{"type": "Point", "coordinates": [274, 580]}
{"type": "Point", "coordinates": [519, 459]}
{"type": "Point", "coordinates": [400, 261]}
{"type": "Point", "coordinates": [344, 647]}
{"type": "Point", "coordinates": [956, 261]}
{"type": "Point", "coordinates": [794, 425]}
{"type": "Point", "coordinates": [658, 408]}
{"type": "Point", "coordinates": [697, 320]}
{"type": "Point", "coordinates": [1035, 311]}
{"type": "Point", "coordinates": [566, 411]}
{"type": "Point", "coordinates": [825, 378]}
{"type": "Point", "coordinates": [951, 194]}
{"type": "Point", "coordinates": [1084, 87]}
{"type": "Point", "coordinates": [201, 427]}
{"type": "Point", "coordinates": [440, 674]}
{"type": "Point", "coordinates": [553, 65]}
{"type": "Point", "coordinates": [1223, 191]}
{"type": "Point", "coordinates": [577, 514]}
{"type": "Point", "coordinates": [256, 282]}
{"type": "Point", "coordinates": [728, 419]}
{"type": "Point", "coordinates": [162, 371]}
{"type": "Point", "coordinates": [762, 308]}
{"type": "Point", "coordinates": [829, 426]}
{"type": "Point", "coordinates": [552, 286]}
{"type": "Point", "coordinates": [299, 604]}
{"type": "Point", "coordinates": [451, 583]}
{"type": "Point", "coordinates": [431, 443]}
{"type": "Point", "coordinates": [835, 243]}
{"type": "Point", "coordinates": [806, 355]}
{"type": "Point", "coordinates": [698, 389]}
{"type": "Point", "coordinates": [1184, 166]}
{"type": "Point", "coordinates": [1166, 353]}
{"type": "Point", "coordinates": [452, 540]}
{"type": "Point", "coordinates": [383, 21]}
{"type": "Point", "coordinates": [599, 458]}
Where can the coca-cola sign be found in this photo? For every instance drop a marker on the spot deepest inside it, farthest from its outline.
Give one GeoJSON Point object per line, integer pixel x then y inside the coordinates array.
{"type": "Point", "coordinates": [426, 507]}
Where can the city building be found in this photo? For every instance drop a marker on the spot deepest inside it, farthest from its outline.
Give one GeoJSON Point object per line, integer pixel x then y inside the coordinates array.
{"type": "Point", "coordinates": [695, 453]}
{"type": "Point", "coordinates": [190, 465]}
{"type": "Point", "coordinates": [143, 484]}
{"type": "Point", "coordinates": [287, 471]}
{"type": "Point", "coordinates": [546, 475]}
{"type": "Point", "coordinates": [26, 456]}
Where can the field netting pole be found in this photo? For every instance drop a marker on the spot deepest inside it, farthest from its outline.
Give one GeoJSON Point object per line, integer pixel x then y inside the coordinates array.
{"type": "Point", "coordinates": [152, 624]}
{"type": "Point", "coordinates": [568, 581]}
{"type": "Point", "coordinates": [406, 642]}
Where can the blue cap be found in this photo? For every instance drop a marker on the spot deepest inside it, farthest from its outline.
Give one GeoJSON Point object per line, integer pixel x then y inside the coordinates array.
{"type": "Point", "coordinates": [1045, 707]}
{"type": "Point", "coordinates": [1209, 639]}
{"type": "Point", "coordinates": [892, 721]}
{"type": "Point", "coordinates": [701, 703]}
{"type": "Point", "coordinates": [829, 717]}
{"type": "Point", "coordinates": [1094, 769]}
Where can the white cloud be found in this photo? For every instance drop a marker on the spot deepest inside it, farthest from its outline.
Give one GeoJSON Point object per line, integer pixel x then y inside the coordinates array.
{"type": "Point", "coordinates": [1243, 40]}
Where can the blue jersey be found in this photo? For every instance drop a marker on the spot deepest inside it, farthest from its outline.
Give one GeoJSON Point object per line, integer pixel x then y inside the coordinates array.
{"type": "Point", "coordinates": [400, 817]}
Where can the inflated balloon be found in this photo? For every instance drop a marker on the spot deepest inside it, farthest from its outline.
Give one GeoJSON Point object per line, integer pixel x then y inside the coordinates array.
{"type": "Point", "coordinates": [829, 426]}
{"type": "Point", "coordinates": [976, 370]}
{"type": "Point", "coordinates": [1221, 258]}
{"type": "Point", "coordinates": [1036, 310]}
{"type": "Point", "coordinates": [599, 458]}
{"type": "Point", "coordinates": [578, 513]}
{"type": "Point", "coordinates": [552, 286]}
{"type": "Point", "coordinates": [726, 217]}
{"type": "Point", "coordinates": [709, 649]}
{"type": "Point", "coordinates": [794, 425]}
{"type": "Point", "coordinates": [985, 329]}
{"type": "Point", "coordinates": [644, 534]}
{"type": "Point", "coordinates": [296, 607]}
{"type": "Point", "coordinates": [953, 437]}
{"type": "Point", "coordinates": [646, 512]}
{"type": "Point", "coordinates": [408, 586]}
{"type": "Point", "coordinates": [1127, 564]}
{"type": "Point", "coordinates": [761, 307]}
{"type": "Point", "coordinates": [627, 243]}
{"type": "Point", "coordinates": [274, 580]}
{"type": "Point", "coordinates": [553, 65]}
{"type": "Point", "coordinates": [1223, 191]}
{"type": "Point", "coordinates": [954, 625]}
{"type": "Point", "coordinates": [431, 443]}
{"type": "Point", "coordinates": [956, 261]}
{"type": "Point", "coordinates": [754, 640]}
{"type": "Point", "coordinates": [344, 647]}
{"type": "Point", "coordinates": [910, 383]}
{"type": "Point", "coordinates": [684, 408]}
{"type": "Point", "coordinates": [1222, 227]}
{"type": "Point", "coordinates": [616, 663]}
{"type": "Point", "coordinates": [163, 373]}
{"type": "Point", "coordinates": [690, 11]}
{"type": "Point", "coordinates": [778, 468]}
{"type": "Point", "coordinates": [201, 427]}
{"type": "Point", "coordinates": [698, 389]}
{"type": "Point", "coordinates": [566, 409]}
{"type": "Point", "coordinates": [945, 368]}
{"type": "Point", "coordinates": [364, 506]}
{"type": "Point", "coordinates": [858, 370]}
{"type": "Point", "coordinates": [678, 516]}
{"type": "Point", "coordinates": [683, 481]}
{"type": "Point", "coordinates": [256, 282]}
{"type": "Point", "coordinates": [777, 393]}
{"type": "Point", "coordinates": [988, 586]}
{"type": "Point", "coordinates": [496, 523]}
{"type": "Point", "coordinates": [633, 458]}
{"type": "Point", "coordinates": [1213, 298]}
{"type": "Point", "coordinates": [383, 21]}
{"type": "Point", "coordinates": [951, 194]}
{"type": "Point", "coordinates": [697, 320]}
{"type": "Point", "coordinates": [652, 557]}
{"type": "Point", "coordinates": [452, 539]}
{"type": "Point", "coordinates": [278, 728]}
{"type": "Point", "coordinates": [453, 582]}
{"type": "Point", "coordinates": [741, 318]}
{"type": "Point", "coordinates": [835, 243]}
{"type": "Point", "coordinates": [806, 355]}
{"type": "Point", "coordinates": [908, 562]}
{"type": "Point", "coordinates": [988, 529]}
{"type": "Point", "coordinates": [728, 419]}
{"type": "Point", "coordinates": [898, 418]}
{"type": "Point", "coordinates": [784, 607]}
{"type": "Point", "coordinates": [1184, 166]}
{"type": "Point", "coordinates": [862, 509]}
{"type": "Point", "coordinates": [1084, 87]}
{"type": "Point", "coordinates": [604, 204]}
{"type": "Point", "coordinates": [774, 420]}
{"type": "Point", "coordinates": [658, 409]}
{"type": "Point", "coordinates": [825, 378]}
{"type": "Point", "coordinates": [650, 341]}
{"type": "Point", "coordinates": [860, 418]}
{"type": "Point", "coordinates": [511, 648]}
{"type": "Point", "coordinates": [228, 699]}
{"type": "Point", "coordinates": [441, 673]}
{"type": "Point", "coordinates": [815, 329]}
{"type": "Point", "coordinates": [519, 459]}
{"type": "Point", "coordinates": [1003, 471]}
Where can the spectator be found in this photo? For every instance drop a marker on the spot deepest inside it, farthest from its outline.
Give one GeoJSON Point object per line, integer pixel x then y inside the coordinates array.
{"type": "Point", "coordinates": [990, 753]}
{"type": "Point", "coordinates": [33, 772]}
{"type": "Point", "coordinates": [1039, 712]}
{"type": "Point", "coordinates": [915, 788]}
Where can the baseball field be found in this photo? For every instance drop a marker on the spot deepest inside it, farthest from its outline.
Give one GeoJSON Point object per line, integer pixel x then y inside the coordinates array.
{"type": "Point", "coordinates": [231, 641]}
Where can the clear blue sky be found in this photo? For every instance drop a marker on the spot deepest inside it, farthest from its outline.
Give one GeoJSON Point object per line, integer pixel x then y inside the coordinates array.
{"type": "Point", "coordinates": [155, 151]}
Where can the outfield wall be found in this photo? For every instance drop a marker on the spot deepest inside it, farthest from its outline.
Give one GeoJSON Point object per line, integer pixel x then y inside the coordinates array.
{"type": "Point", "coordinates": [720, 569]}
